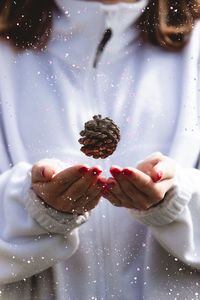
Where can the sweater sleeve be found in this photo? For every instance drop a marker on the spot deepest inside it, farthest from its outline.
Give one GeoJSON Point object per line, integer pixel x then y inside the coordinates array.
{"type": "Point", "coordinates": [32, 236]}
{"type": "Point", "coordinates": [175, 222]}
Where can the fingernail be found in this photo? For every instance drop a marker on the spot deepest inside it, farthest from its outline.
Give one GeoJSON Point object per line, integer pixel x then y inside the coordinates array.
{"type": "Point", "coordinates": [158, 176]}
{"type": "Point", "coordinates": [127, 172]}
{"type": "Point", "coordinates": [115, 171]}
{"type": "Point", "coordinates": [96, 171]}
{"type": "Point", "coordinates": [83, 170]}
{"type": "Point", "coordinates": [42, 173]}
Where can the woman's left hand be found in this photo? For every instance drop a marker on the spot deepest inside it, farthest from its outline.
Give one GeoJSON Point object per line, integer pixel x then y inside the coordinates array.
{"type": "Point", "coordinates": [141, 187]}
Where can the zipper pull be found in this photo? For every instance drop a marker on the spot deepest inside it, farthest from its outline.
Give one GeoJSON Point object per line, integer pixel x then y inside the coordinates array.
{"type": "Point", "coordinates": [106, 37]}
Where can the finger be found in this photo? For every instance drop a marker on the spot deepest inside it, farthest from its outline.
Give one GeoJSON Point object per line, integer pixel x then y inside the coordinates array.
{"type": "Point", "coordinates": [132, 197]}
{"type": "Point", "coordinates": [160, 190]}
{"type": "Point", "coordinates": [149, 162]}
{"type": "Point", "coordinates": [117, 195]}
{"type": "Point", "coordinates": [42, 173]}
{"type": "Point", "coordinates": [154, 191]}
{"type": "Point", "coordinates": [163, 170]}
{"type": "Point", "coordinates": [140, 180]}
{"type": "Point", "coordinates": [112, 199]}
{"type": "Point", "coordinates": [93, 203]}
{"type": "Point", "coordinates": [128, 187]}
{"type": "Point", "coordinates": [154, 157]}
{"type": "Point", "coordinates": [80, 204]}
{"type": "Point", "coordinates": [101, 183]}
{"type": "Point", "coordinates": [45, 169]}
{"type": "Point", "coordinates": [92, 193]}
{"type": "Point", "coordinates": [70, 175]}
{"type": "Point", "coordinates": [81, 186]}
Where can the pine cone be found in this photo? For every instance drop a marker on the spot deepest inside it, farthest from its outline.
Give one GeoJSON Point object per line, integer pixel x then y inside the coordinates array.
{"type": "Point", "coordinates": [100, 137]}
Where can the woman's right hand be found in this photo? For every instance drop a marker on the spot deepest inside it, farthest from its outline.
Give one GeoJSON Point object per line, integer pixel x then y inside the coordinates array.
{"type": "Point", "coordinates": [72, 190]}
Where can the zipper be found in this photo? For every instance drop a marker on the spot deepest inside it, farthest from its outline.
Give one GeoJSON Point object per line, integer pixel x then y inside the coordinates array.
{"type": "Point", "coordinates": [92, 85]}
{"type": "Point", "coordinates": [106, 37]}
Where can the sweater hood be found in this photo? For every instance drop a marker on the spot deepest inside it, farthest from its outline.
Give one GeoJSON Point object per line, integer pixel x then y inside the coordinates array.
{"type": "Point", "coordinates": [79, 28]}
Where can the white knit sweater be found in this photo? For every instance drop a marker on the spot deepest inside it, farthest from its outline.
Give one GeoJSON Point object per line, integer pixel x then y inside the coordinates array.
{"type": "Point", "coordinates": [46, 96]}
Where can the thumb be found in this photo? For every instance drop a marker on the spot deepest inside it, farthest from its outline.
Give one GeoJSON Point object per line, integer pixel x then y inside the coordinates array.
{"type": "Point", "coordinates": [42, 173]}
{"type": "Point", "coordinates": [163, 170]}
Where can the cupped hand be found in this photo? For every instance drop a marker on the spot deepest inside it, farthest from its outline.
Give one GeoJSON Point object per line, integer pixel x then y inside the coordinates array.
{"type": "Point", "coordinates": [142, 187]}
{"type": "Point", "coordinates": [72, 190]}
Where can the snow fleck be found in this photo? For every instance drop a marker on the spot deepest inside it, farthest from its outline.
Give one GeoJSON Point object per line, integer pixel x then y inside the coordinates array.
{"type": "Point", "coordinates": [176, 259]}
{"type": "Point", "coordinates": [67, 13]}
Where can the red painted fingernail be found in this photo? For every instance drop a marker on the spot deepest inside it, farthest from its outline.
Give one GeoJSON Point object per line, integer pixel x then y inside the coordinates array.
{"type": "Point", "coordinates": [127, 172]}
{"type": "Point", "coordinates": [158, 176]}
{"type": "Point", "coordinates": [96, 171]}
{"type": "Point", "coordinates": [115, 171]}
{"type": "Point", "coordinates": [83, 170]}
{"type": "Point", "coordinates": [42, 173]}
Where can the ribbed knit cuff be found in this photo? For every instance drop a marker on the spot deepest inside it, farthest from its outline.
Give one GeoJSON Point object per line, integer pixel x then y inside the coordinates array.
{"type": "Point", "coordinates": [172, 205]}
{"type": "Point", "coordinates": [49, 218]}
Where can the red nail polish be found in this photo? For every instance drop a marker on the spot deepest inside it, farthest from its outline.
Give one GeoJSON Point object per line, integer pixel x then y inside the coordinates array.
{"type": "Point", "coordinates": [158, 176]}
{"type": "Point", "coordinates": [83, 170]}
{"type": "Point", "coordinates": [127, 172]}
{"type": "Point", "coordinates": [115, 171]}
{"type": "Point", "coordinates": [42, 173]}
{"type": "Point", "coordinates": [96, 171]}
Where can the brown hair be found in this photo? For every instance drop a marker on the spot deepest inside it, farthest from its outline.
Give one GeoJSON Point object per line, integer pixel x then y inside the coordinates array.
{"type": "Point", "coordinates": [167, 23]}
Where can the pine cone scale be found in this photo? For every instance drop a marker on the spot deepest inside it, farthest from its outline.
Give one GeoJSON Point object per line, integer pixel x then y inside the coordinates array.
{"type": "Point", "coordinates": [99, 137]}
